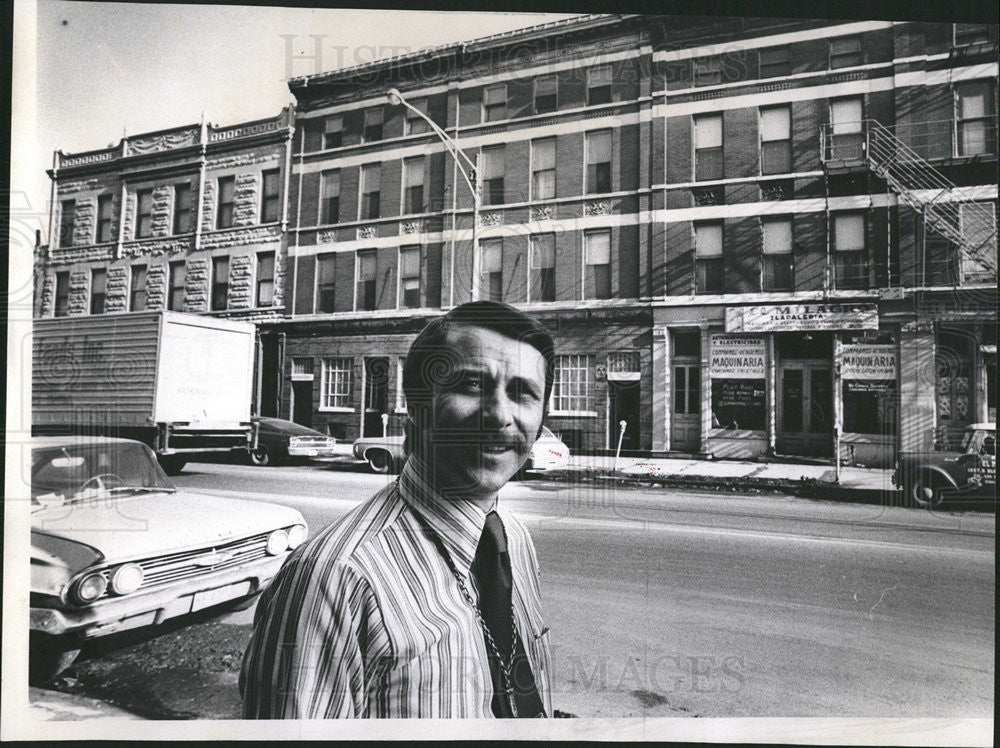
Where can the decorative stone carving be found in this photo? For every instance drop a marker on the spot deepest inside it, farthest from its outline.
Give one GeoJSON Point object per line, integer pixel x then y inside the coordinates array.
{"type": "Point", "coordinates": [247, 158]}
{"type": "Point", "coordinates": [707, 196]}
{"type": "Point", "coordinates": [409, 227]}
{"type": "Point", "coordinates": [776, 191]}
{"type": "Point", "coordinates": [87, 158]}
{"type": "Point", "coordinates": [79, 287]}
{"type": "Point", "coordinates": [156, 247]}
{"type": "Point", "coordinates": [491, 219]}
{"type": "Point", "coordinates": [83, 221]}
{"type": "Point", "coordinates": [48, 295]}
{"type": "Point", "coordinates": [162, 210]}
{"type": "Point", "coordinates": [129, 219]}
{"type": "Point", "coordinates": [366, 232]}
{"type": "Point", "coordinates": [542, 213]}
{"type": "Point", "coordinates": [326, 237]}
{"type": "Point", "coordinates": [162, 142]}
{"type": "Point", "coordinates": [116, 294]}
{"type": "Point", "coordinates": [599, 208]}
{"type": "Point", "coordinates": [156, 286]}
{"type": "Point", "coordinates": [240, 237]}
{"type": "Point", "coordinates": [196, 285]}
{"type": "Point", "coordinates": [240, 282]}
{"type": "Point", "coordinates": [90, 253]}
{"type": "Point", "coordinates": [208, 205]}
{"type": "Point", "coordinates": [79, 185]}
{"type": "Point", "coordinates": [245, 198]}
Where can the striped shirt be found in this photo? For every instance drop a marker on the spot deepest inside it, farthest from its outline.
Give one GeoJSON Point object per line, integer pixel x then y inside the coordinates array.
{"type": "Point", "coordinates": [368, 620]}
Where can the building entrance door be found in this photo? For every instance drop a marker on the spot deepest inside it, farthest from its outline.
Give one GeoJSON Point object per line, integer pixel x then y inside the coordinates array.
{"type": "Point", "coordinates": [624, 402]}
{"type": "Point", "coordinates": [805, 409]}
{"type": "Point", "coordinates": [685, 420]}
{"type": "Point", "coordinates": [376, 395]}
{"type": "Point", "coordinates": [302, 407]}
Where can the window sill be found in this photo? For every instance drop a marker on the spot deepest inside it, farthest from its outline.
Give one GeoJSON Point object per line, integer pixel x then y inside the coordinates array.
{"type": "Point", "coordinates": [573, 413]}
{"type": "Point", "coordinates": [333, 409]}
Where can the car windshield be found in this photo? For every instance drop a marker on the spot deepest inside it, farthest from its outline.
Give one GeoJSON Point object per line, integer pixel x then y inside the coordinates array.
{"type": "Point", "coordinates": [80, 472]}
{"type": "Point", "coordinates": [967, 439]}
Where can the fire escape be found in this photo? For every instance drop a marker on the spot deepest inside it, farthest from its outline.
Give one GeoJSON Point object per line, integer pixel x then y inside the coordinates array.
{"type": "Point", "coordinates": [958, 228]}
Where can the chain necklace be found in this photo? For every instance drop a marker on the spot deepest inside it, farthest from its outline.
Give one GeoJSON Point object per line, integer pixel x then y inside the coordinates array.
{"type": "Point", "coordinates": [505, 667]}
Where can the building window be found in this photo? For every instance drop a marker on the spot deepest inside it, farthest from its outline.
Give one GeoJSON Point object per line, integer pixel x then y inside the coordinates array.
{"type": "Point", "coordinates": [845, 52]}
{"type": "Point", "coordinates": [707, 71]}
{"type": "Point", "coordinates": [850, 256]}
{"type": "Point", "coordinates": [415, 124]}
{"type": "Point", "coordinates": [302, 368]}
{"type": "Point", "coordinates": [493, 167]}
{"type": "Point", "coordinates": [366, 280]}
{"type": "Point", "coordinates": [413, 181]}
{"type": "Point", "coordinates": [571, 384]}
{"type": "Point", "coordinates": [967, 34]}
{"type": "Point", "coordinates": [333, 132]}
{"type": "Point", "coordinates": [67, 217]}
{"type": "Point", "coordinates": [975, 118]}
{"type": "Point", "coordinates": [777, 252]}
{"type": "Point", "coordinates": [144, 220]}
{"type": "Point", "coordinates": [183, 209]}
{"type": "Point", "coordinates": [978, 225]}
{"type": "Point", "coordinates": [598, 146]}
{"type": "Point", "coordinates": [62, 294]}
{"type": "Point", "coordinates": [104, 218]}
{"type": "Point", "coordinates": [846, 139]}
{"type": "Point", "coordinates": [546, 94]}
{"type": "Point", "coordinates": [708, 146]}
{"type": "Point", "coordinates": [373, 125]}
{"type": "Point", "coordinates": [776, 140]}
{"type": "Point", "coordinates": [599, 85]}
{"type": "Point", "coordinates": [270, 208]}
{"type": "Point", "coordinates": [98, 290]}
{"type": "Point", "coordinates": [137, 289]}
{"type": "Point", "coordinates": [708, 257]}
{"type": "Point", "coordinates": [371, 190]}
{"type": "Point", "coordinates": [597, 264]}
{"type": "Point", "coordinates": [774, 61]}
{"type": "Point", "coordinates": [227, 202]}
{"type": "Point", "coordinates": [220, 283]}
{"type": "Point", "coordinates": [495, 102]}
{"type": "Point", "coordinates": [265, 278]}
{"type": "Point", "coordinates": [491, 269]}
{"type": "Point", "coordinates": [409, 277]}
{"type": "Point", "coordinates": [687, 389]}
{"type": "Point", "coordinates": [175, 293]}
{"type": "Point", "coordinates": [543, 168]}
{"type": "Point", "coordinates": [325, 282]}
{"type": "Point", "coordinates": [329, 201]}
{"type": "Point", "coordinates": [543, 268]}
{"type": "Point", "coordinates": [336, 384]}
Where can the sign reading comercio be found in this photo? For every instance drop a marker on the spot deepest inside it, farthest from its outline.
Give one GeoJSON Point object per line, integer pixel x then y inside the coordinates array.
{"type": "Point", "coordinates": [796, 317]}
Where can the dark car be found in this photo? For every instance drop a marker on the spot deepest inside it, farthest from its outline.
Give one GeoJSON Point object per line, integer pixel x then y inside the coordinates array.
{"type": "Point", "coordinates": [931, 479]}
{"type": "Point", "coordinates": [280, 440]}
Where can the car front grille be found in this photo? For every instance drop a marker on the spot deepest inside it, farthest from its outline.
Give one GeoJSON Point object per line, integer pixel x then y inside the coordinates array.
{"type": "Point", "coordinates": [178, 567]}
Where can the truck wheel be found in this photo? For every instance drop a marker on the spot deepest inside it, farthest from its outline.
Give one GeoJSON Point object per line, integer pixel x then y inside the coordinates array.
{"type": "Point", "coordinates": [379, 460]}
{"type": "Point", "coordinates": [48, 656]}
{"type": "Point", "coordinates": [261, 457]}
{"type": "Point", "coordinates": [925, 492]}
{"type": "Point", "coordinates": [171, 464]}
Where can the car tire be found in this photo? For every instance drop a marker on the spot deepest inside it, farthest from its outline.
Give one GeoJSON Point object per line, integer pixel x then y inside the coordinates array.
{"type": "Point", "coordinates": [261, 457]}
{"type": "Point", "coordinates": [171, 464]}
{"type": "Point", "coordinates": [48, 656]}
{"type": "Point", "coordinates": [379, 460]}
{"type": "Point", "coordinates": [924, 491]}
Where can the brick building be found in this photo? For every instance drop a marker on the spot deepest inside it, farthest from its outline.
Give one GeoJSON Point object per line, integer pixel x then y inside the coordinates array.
{"type": "Point", "coordinates": [189, 219]}
{"type": "Point", "coordinates": [749, 236]}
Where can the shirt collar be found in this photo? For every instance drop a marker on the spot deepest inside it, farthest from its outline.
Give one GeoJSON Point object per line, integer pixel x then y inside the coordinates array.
{"type": "Point", "coordinates": [459, 524]}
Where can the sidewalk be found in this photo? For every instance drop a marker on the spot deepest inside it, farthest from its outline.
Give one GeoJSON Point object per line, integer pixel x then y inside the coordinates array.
{"type": "Point", "coordinates": [820, 481]}
{"type": "Point", "coordinates": [45, 705]}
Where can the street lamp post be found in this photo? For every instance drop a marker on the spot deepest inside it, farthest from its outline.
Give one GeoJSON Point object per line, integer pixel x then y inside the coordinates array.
{"type": "Point", "coordinates": [471, 178]}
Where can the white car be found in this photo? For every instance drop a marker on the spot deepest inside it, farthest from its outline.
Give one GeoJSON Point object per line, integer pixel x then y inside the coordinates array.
{"type": "Point", "coordinates": [115, 546]}
{"type": "Point", "coordinates": [548, 453]}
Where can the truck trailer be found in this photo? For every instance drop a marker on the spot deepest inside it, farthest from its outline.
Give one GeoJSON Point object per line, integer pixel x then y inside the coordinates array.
{"type": "Point", "coordinates": [181, 383]}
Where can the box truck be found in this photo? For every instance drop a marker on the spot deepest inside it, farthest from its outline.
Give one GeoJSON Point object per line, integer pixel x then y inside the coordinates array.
{"type": "Point", "coordinates": [181, 383]}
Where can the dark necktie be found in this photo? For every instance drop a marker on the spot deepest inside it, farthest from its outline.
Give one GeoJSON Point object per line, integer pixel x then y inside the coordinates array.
{"type": "Point", "coordinates": [491, 569]}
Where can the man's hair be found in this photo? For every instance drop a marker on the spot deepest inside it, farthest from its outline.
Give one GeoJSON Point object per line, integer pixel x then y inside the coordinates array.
{"type": "Point", "coordinates": [431, 361]}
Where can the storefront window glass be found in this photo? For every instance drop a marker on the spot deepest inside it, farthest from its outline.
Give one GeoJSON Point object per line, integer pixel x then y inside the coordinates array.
{"type": "Point", "coordinates": [869, 371]}
{"type": "Point", "coordinates": [738, 391]}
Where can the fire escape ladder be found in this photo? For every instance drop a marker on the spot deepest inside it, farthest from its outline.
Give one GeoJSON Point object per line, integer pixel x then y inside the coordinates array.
{"type": "Point", "coordinates": [968, 224]}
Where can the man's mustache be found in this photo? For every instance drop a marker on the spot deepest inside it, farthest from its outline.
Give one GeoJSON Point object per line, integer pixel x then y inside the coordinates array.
{"type": "Point", "coordinates": [477, 438]}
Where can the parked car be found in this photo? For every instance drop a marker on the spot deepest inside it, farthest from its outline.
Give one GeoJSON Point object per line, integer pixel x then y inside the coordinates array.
{"type": "Point", "coordinates": [115, 546]}
{"type": "Point", "coordinates": [385, 453]}
{"type": "Point", "coordinates": [930, 479]}
{"type": "Point", "coordinates": [278, 440]}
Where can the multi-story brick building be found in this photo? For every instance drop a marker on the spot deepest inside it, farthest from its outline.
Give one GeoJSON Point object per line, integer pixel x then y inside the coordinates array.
{"type": "Point", "coordinates": [750, 236]}
{"type": "Point", "coordinates": [188, 219]}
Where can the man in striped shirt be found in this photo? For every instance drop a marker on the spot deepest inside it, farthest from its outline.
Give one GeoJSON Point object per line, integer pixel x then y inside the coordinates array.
{"type": "Point", "coordinates": [424, 600]}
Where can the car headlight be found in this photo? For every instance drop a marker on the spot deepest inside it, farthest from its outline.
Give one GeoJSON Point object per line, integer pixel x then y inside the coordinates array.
{"type": "Point", "coordinates": [277, 542]}
{"type": "Point", "coordinates": [296, 535]}
{"type": "Point", "coordinates": [88, 588]}
{"type": "Point", "coordinates": [126, 578]}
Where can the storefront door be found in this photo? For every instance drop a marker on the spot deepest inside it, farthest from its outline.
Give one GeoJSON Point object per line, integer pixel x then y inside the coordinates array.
{"type": "Point", "coordinates": [302, 405]}
{"type": "Point", "coordinates": [805, 409]}
{"type": "Point", "coordinates": [685, 423]}
{"type": "Point", "coordinates": [624, 402]}
{"type": "Point", "coordinates": [376, 394]}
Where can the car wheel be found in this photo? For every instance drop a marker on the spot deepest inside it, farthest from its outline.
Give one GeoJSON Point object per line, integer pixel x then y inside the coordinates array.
{"type": "Point", "coordinates": [379, 460]}
{"type": "Point", "coordinates": [261, 457]}
{"type": "Point", "coordinates": [171, 464]}
{"type": "Point", "coordinates": [48, 656]}
{"type": "Point", "coordinates": [925, 492]}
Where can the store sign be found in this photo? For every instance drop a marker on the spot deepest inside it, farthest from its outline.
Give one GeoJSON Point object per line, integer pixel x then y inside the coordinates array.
{"type": "Point", "coordinates": [866, 361]}
{"type": "Point", "coordinates": [736, 357]}
{"type": "Point", "coordinates": [796, 317]}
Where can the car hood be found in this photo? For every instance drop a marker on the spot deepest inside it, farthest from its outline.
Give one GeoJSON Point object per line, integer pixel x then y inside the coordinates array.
{"type": "Point", "coordinates": [133, 527]}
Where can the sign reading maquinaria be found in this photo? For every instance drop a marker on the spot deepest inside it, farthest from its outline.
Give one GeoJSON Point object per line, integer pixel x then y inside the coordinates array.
{"type": "Point", "coordinates": [793, 317]}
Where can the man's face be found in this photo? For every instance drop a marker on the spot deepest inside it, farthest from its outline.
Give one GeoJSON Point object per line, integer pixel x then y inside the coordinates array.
{"type": "Point", "coordinates": [486, 416]}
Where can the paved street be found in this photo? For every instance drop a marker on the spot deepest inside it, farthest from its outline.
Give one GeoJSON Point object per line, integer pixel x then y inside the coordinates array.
{"type": "Point", "coordinates": [666, 603]}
